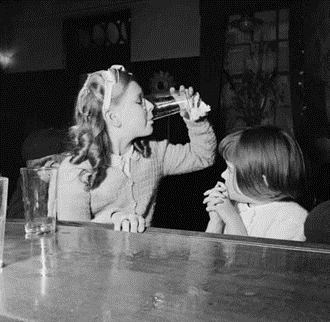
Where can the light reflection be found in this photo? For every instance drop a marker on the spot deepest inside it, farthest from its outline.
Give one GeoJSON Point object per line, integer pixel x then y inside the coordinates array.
{"type": "Point", "coordinates": [7, 58]}
{"type": "Point", "coordinates": [43, 249]}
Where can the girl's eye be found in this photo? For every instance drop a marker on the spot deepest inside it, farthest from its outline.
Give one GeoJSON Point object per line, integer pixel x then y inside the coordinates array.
{"type": "Point", "coordinates": [143, 103]}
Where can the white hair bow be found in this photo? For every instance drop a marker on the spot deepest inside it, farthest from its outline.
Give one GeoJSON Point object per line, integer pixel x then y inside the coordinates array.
{"type": "Point", "coordinates": [111, 77]}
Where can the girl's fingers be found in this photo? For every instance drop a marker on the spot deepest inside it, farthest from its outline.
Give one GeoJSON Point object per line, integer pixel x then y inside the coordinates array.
{"type": "Point", "coordinates": [215, 194]}
{"type": "Point", "coordinates": [216, 189]}
{"type": "Point", "coordinates": [211, 207]}
{"type": "Point", "coordinates": [134, 224]}
{"type": "Point", "coordinates": [187, 92]}
{"type": "Point", "coordinates": [142, 224]}
{"type": "Point", "coordinates": [223, 189]}
{"type": "Point", "coordinates": [125, 225]}
{"type": "Point", "coordinates": [213, 200]}
{"type": "Point", "coordinates": [207, 192]}
{"type": "Point", "coordinates": [196, 100]}
{"type": "Point", "coordinates": [117, 219]}
{"type": "Point", "coordinates": [128, 223]}
{"type": "Point", "coordinates": [222, 186]}
{"type": "Point", "coordinates": [137, 224]}
{"type": "Point", "coordinates": [172, 90]}
{"type": "Point", "coordinates": [117, 225]}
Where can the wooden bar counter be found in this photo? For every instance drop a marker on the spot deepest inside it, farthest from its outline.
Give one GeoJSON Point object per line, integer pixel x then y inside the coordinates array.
{"type": "Point", "coordinates": [88, 272]}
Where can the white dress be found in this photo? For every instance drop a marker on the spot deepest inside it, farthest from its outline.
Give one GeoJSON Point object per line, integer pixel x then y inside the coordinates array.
{"type": "Point", "coordinates": [277, 220]}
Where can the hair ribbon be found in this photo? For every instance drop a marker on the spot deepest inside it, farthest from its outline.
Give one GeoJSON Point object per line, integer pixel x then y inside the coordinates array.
{"type": "Point", "coordinates": [110, 79]}
{"type": "Point", "coordinates": [109, 82]}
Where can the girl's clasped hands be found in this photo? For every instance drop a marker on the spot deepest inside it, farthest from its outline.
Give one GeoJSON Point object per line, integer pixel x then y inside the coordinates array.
{"type": "Point", "coordinates": [220, 208]}
{"type": "Point", "coordinates": [215, 196]}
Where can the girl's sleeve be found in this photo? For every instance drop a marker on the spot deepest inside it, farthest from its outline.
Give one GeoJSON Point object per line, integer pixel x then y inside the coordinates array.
{"type": "Point", "coordinates": [198, 154]}
{"type": "Point", "coordinates": [290, 230]}
{"type": "Point", "coordinates": [73, 201]}
{"type": "Point", "coordinates": [289, 225]}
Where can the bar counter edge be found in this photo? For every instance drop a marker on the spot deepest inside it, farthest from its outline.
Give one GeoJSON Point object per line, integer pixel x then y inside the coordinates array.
{"type": "Point", "coordinates": [265, 242]}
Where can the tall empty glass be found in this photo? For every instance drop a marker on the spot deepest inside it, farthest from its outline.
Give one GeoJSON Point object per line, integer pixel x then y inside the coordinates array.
{"type": "Point", "coordinates": [3, 212]}
{"type": "Point", "coordinates": [39, 199]}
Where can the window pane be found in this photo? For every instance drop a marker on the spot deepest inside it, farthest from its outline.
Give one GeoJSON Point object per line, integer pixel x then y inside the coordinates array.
{"type": "Point", "coordinates": [267, 31]}
{"type": "Point", "coordinates": [283, 28]}
{"type": "Point", "coordinates": [269, 58]}
{"type": "Point", "coordinates": [234, 35]}
{"type": "Point", "coordinates": [283, 56]}
{"type": "Point", "coordinates": [235, 59]}
{"type": "Point", "coordinates": [284, 90]}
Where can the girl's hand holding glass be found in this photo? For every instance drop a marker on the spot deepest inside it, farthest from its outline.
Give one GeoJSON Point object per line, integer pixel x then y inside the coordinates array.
{"type": "Point", "coordinates": [193, 108]}
{"type": "Point", "coordinates": [129, 223]}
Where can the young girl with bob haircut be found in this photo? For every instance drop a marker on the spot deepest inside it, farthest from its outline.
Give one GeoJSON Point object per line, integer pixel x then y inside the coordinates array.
{"type": "Point", "coordinates": [112, 172]}
{"type": "Point", "coordinates": [265, 175]}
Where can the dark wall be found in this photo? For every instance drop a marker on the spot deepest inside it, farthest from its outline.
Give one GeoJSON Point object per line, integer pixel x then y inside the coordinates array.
{"type": "Point", "coordinates": [30, 101]}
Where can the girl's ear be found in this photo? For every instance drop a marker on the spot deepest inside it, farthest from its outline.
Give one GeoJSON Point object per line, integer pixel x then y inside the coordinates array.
{"type": "Point", "coordinates": [113, 119]}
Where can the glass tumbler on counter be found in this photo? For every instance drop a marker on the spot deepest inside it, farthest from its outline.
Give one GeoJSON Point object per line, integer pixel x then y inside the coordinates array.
{"type": "Point", "coordinates": [3, 212]}
{"type": "Point", "coordinates": [165, 104]}
{"type": "Point", "coordinates": [39, 199]}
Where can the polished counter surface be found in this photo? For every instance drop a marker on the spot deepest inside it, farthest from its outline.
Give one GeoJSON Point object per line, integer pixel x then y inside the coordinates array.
{"type": "Point", "coordinates": [92, 273]}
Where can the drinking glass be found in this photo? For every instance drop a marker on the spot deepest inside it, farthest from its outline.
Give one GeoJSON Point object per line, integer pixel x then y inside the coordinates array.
{"type": "Point", "coordinates": [39, 199]}
{"type": "Point", "coordinates": [165, 104]}
{"type": "Point", "coordinates": [3, 212]}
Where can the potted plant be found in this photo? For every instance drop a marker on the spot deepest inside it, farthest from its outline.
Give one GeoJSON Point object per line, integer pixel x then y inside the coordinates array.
{"type": "Point", "coordinates": [253, 97]}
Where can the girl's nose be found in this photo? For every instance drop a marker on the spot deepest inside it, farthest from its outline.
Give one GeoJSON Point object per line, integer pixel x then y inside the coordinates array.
{"type": "Point", "coordinates": [224, 174]}
{"type": "Point", "coordinates": [149, 106]}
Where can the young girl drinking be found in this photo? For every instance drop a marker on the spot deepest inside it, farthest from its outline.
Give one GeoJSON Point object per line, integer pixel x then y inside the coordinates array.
{"type": "Point", "coordinates": [112, 172]}
{"type": "Point", "coordinates": [265, 175]}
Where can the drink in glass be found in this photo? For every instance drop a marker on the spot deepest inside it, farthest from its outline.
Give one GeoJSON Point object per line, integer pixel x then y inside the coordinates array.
{"type": "Point", "coordinates": [39, 199]}
{"type": "Point", "coordinates": [165, 104]}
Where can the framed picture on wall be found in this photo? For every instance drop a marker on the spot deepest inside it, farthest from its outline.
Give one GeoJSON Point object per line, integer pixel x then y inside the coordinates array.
{"type": "Point", "coordinates": [96, 42]}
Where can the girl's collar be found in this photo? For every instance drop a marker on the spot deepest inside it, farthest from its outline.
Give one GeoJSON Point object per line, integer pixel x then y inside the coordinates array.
{"type": "Point", "coordinates": [126, 155]}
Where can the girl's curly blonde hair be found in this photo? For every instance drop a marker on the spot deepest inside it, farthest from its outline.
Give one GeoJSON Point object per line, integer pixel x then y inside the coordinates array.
{"type": "Point", "coordinates": [90, 139]}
